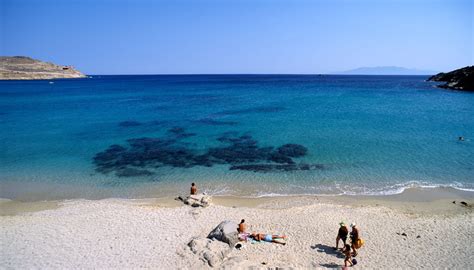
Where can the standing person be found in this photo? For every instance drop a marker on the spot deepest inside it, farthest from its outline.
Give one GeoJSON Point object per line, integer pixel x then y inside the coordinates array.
{"type": "Point", "coordinates": [342, 234]}
{"type": "Point", "coordinates": [194, 189]}
{"type": "Point", "coordinates": [354, 238]}
{"type": "Point", "coordinates": [347, 253]}
{"type": "Point", "coordinates": [242, 227]}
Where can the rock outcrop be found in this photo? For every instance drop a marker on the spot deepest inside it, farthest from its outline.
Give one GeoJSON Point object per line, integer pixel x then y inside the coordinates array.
{"type": "Point", "coordinates": [459, 79]}
{"type": "Point", "coordinates": [209, 251]}
{"type": "Point", "coordinates": [214, 249]}
{"type": "Point", "coordinates": [26, 68]}
{"type": "Point", "coordinates": [200, 200]}
{"type": "Point", "coordinates": [225, 232]}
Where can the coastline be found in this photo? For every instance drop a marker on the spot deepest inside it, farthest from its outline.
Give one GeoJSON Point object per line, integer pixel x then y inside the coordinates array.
{"type": "Point", "coordinates": [155, 232]}
{"type": "Point", "coordinates": [414, 200]}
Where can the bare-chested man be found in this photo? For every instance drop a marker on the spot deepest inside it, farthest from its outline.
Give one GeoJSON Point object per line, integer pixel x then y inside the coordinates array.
{"type": "Point", "coordinates": [194, 189]}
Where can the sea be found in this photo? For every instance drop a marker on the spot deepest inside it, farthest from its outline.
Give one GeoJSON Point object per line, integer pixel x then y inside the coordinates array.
{"type": "Point", "coordinates": [147, 136]}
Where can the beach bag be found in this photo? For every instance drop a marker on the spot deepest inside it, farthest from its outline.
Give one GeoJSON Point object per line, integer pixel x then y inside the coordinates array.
{"type": "Point", "coordinates": [359, 243]}
{"type": "Point", "coordinates": [354, 261]}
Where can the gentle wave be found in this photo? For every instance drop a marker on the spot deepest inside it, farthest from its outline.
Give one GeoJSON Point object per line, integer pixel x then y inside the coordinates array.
{"type": "Point", "coordinates": [392, 190]}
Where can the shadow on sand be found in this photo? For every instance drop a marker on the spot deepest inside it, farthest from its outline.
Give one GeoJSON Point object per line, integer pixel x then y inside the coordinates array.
{"type": "Point", "coordinates": [330, 265]}
{"type": "Point", "coordinates": [328, 250]}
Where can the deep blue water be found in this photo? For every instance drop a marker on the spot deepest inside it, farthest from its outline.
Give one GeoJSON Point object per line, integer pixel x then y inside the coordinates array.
{"type": "Point", "coordinates": [362, 135]}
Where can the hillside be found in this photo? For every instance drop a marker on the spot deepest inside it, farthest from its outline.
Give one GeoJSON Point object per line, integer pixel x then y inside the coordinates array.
{"type": "Point", "coordinates": [26, 68]}
{"type": "Point", "coordinates": [386, 70]}
{"type": "Point", "coordinates": [459, 79]}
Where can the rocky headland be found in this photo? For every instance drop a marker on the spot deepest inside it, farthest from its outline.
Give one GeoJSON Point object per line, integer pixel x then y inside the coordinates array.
{"type": "Point", "coordinates": [26, 68]}
{"type": "Point", "coordinates": [459, 79]}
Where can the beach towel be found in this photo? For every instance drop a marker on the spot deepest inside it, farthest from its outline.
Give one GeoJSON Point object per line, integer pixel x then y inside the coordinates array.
{"type": "Point", "coordinates": [244, 236]}
{"type": "Point", "coordinates": [279, 240]}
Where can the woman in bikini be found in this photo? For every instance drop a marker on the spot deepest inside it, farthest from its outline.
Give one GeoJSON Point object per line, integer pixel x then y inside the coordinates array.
{"type": "Point", "coordinates": [354, 238]}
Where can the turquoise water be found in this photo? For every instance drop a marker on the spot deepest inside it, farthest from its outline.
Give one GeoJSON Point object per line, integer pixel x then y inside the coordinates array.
{"type": "Point", "coordinates": [362, 135]}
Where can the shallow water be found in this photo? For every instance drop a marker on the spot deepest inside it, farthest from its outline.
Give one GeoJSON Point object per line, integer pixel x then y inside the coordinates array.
{"type": "Point", "coordinates": [363, 135]}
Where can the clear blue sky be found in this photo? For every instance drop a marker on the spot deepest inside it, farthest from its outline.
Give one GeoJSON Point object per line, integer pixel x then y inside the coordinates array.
{"type": "Point", "coordinates": [247, 36]}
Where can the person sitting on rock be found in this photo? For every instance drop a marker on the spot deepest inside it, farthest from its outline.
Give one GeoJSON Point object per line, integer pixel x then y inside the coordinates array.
{"type": "Point", "coordinates": [242, 227]}
{"type": "Point", "coordinates": [279, 239]}
{"type": "Point", "coordinates": [194, 189]}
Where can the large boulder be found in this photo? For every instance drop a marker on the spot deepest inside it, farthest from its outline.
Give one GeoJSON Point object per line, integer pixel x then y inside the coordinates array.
{"type": "Point", "coordinates": [209, 251]}
{"type": "Point", "coordinates": [226, 232]}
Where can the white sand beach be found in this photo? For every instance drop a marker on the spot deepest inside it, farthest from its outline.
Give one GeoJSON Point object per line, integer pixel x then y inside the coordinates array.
{"type": "Point", "coordinates": [154, 233]}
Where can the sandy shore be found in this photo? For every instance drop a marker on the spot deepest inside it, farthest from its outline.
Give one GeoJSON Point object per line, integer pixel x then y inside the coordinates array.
{"type": "Point", "coordinates": [154, 233]}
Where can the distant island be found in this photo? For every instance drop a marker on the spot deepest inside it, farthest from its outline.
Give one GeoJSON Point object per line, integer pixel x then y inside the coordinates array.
{"type": "Point", "coordinates": [26, 68]}
{"type": "Point", "coordinates": [386, 70]}
{"type": "Point", "coordinates": [459, 79]}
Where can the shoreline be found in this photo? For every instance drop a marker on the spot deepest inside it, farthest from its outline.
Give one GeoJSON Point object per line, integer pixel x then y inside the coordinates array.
{"type": "Point", "coordinates": [25, 190]}
{"type": "Point", "coordinates": [437, 200]}
{"type": "Point", "coordinates": [412, 201]}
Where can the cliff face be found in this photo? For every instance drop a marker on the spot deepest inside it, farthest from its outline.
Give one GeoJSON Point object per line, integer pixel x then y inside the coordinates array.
{"type": "Point", "coordinates": [459, 79]}
{"type": "Point", "coordinates": [25, 68]}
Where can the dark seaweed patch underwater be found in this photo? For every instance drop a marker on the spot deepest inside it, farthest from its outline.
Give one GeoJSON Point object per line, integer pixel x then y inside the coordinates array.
{"type": "Point", "coordinates": [142, 155]}
{"type": "Point", "coordinates": [374, 134]}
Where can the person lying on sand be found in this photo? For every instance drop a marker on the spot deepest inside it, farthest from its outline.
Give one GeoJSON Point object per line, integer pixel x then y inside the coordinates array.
{"type": "Point", "coordinates": [269, 238]}
{"type": "Point", "coordinates": [342, 234]}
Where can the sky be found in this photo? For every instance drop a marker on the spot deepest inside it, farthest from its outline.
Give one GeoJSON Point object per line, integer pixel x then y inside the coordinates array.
{"type": "Point", "coordinates": [239, 37]}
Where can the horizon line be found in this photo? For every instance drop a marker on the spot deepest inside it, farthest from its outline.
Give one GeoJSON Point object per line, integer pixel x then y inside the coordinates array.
{"type": "Point", "coordinates": [254, 74]}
